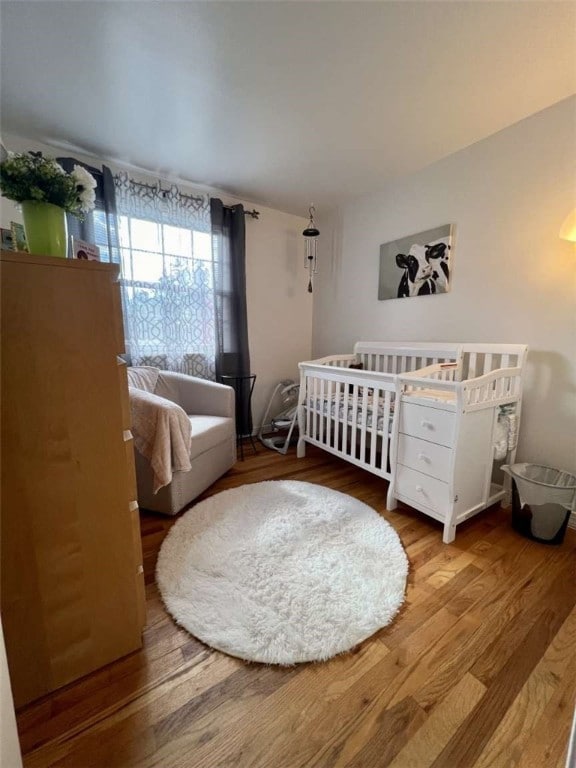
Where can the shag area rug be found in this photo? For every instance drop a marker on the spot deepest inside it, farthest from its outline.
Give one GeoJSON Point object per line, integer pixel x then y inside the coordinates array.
{"type": "Point", "coordinates": [282, 572]}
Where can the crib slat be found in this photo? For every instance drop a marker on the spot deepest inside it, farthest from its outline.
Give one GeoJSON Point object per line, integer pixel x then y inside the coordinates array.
{"type": "Point", "coordinates": [308, 402]}
{"type": "Point", "coordinates": [472, 365]}
{"type": "Point", "coordinates": [312, 406]}
{"type": "Point", "coordinates": [317, 406]}
{"type": "Point", "coordinates": [487, 362]}
{"type": "Point", "coordinates": [345, 418]}
{"type": "Point", "coordinates": [385, 431]}
{"type": "Point", "coordinates": [374, 430]}
{"type": "Point", "coordinates": [337, 396]}
{"type": "Point", "coordinates": [364, 424]}
{"type": "Point", "coordinates": [354, 421]}
{"type": "Point", "coordinates": [329, 412]}
{"type": "Point", "coordinates": [324, 413]}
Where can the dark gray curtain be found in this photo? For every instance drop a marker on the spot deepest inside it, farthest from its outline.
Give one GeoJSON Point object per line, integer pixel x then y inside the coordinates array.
{"type": "Point", "coordinates": [100, 226]}
{"type": "Point", "coordinates": [232, 352]}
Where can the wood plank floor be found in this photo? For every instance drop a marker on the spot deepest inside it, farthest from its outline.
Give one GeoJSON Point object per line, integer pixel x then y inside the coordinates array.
{"type": "Point", "coordinates": [478, 670]}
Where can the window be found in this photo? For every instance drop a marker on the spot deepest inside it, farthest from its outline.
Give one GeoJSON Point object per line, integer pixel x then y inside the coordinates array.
{"type": "Point", "coordinates": [168, 293]}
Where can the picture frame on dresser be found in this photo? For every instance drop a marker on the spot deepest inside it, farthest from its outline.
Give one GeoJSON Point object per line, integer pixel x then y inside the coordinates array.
{"type": "Point", "coordinates": [19, 242]}
{"type": "Point", "coordinates": [7, 239]}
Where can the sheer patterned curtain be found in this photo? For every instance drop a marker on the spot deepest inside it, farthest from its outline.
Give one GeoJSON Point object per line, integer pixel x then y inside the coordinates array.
{"type": "Point", "coordinates": [167, 277]}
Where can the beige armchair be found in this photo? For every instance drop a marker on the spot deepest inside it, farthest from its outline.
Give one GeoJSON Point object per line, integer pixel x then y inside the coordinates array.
{"type": "Point", "coordinates": [210, 407]}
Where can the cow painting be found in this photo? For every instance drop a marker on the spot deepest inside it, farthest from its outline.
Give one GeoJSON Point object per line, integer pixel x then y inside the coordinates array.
{"type": "Point", "coordinates": [425, 270]}
{"type": "Point", "coordinates": [419, 265]}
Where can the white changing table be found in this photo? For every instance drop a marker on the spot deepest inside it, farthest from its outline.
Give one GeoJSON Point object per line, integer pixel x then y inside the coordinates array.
{"type": "Point", "coordinates": [444, 452]}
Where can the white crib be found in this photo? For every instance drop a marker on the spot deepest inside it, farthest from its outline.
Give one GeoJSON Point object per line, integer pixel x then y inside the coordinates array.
{"type": "Point", "coordinates": [421, 415]}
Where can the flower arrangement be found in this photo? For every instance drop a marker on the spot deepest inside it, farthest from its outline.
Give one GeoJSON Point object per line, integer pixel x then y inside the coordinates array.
{"type": "Point", "coordinates": [31, 176]}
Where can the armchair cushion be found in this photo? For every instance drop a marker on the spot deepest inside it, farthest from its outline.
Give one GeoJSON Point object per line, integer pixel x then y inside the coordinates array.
{"type": "Point", "coordinates": [208, 431]}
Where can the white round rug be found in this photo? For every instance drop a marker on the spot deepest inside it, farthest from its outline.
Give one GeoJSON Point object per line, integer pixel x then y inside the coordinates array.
{"type": "Point", "coordinates": [282, 572]}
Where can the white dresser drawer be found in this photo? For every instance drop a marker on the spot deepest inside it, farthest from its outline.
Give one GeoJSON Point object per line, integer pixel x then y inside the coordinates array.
{"type": "Point", "coordinates": [429, 458]}
{"type": "Point", "coordinates": [430, 424]}
{"type": "Point", "coordinates": [422, 489]}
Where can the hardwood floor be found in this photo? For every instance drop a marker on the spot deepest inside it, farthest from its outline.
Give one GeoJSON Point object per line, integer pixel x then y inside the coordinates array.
{"type": "Point", "coordinates": [478, 670]}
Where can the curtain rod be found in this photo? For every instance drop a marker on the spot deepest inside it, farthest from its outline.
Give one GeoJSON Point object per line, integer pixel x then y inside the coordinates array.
{"type": "Point", "coordinates": [165, 192]}
{"type": "Point", "coordinates": [253, 213]}
{"type": "Point", "coordinates": [196, 198]}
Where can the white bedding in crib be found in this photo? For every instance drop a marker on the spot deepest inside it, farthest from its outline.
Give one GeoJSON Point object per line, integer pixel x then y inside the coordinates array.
{"type": "Point", "coordinates": [503, 440]}
{"type": "Point", "coordinates": [336, 405]}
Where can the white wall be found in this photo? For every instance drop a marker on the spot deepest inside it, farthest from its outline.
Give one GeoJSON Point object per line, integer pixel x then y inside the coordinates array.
{"type": "Point", "coordinates": [279, 308]}
{"type": "Point", "coordinates": [513, 279]}
{"type": "Point", "coordinates": [10, 756]}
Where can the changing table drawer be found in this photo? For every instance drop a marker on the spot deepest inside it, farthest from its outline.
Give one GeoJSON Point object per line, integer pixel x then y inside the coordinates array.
{"type": "Point", "coordinates": [430, 424]}
{"type": "Point", "coordinates": [422, 489]}
{"type": "Point", "coordinates": [430, 458]}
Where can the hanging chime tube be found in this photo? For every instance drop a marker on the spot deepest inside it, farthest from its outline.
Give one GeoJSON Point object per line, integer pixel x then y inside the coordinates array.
{"type": "Point", "coordinates": [310, 257]}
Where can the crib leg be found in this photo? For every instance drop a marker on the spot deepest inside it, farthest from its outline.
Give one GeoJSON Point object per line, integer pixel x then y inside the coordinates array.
{"type": "Point", "coordinates": [301, 448]}
{"type": "Point", "coordinates": [391, 502]}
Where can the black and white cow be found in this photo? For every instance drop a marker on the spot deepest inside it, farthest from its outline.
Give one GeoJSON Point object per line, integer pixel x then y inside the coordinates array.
{"type": "Point", "coordinates": [426, 270]}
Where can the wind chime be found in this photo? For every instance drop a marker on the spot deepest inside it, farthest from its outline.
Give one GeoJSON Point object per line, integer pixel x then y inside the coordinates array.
{"type": "Point", "coordinates": [310, 257]}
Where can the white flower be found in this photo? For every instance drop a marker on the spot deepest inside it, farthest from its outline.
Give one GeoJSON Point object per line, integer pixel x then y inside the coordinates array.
{"type": "Point", "coordinates": [87, 199]}
{"type": "Point", "coordinates": [83, 178]}
{"type": "Point", "coordinates": [58, 168]}
{"type": "Point", "coordinates": [86, 184]}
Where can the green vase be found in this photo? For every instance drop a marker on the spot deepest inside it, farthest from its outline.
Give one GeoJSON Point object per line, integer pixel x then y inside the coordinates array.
{"type": "Point", "coordinates": [46, 228]}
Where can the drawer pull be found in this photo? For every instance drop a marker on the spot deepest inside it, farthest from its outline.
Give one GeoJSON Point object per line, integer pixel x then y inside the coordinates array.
{"type": "Point", "coordinates": [419, 489]}
{"type": "Point", "coordinates": [423, 457]}
{"type": "Point", "coordinates": [426, 424]}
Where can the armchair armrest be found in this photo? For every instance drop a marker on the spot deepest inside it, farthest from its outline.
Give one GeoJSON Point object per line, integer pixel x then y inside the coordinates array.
{"type": "Point", "coordinates": [197, 396]}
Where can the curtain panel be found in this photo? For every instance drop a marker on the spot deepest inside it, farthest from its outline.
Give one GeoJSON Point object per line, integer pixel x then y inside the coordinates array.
{"type": "Point", "coordinates": [229, 258]}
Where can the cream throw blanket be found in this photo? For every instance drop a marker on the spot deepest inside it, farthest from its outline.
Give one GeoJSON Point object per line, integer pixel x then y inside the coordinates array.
{"type": "Point", "coordinates": [162, 433]}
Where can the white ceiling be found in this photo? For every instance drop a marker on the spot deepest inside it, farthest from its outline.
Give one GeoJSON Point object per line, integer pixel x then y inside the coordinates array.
{"type": "Point", "coordinates": [281, 103]}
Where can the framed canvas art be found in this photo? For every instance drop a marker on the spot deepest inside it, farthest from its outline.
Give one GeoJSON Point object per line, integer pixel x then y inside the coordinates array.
{"type": "Point", "coordinates": [418, 265]}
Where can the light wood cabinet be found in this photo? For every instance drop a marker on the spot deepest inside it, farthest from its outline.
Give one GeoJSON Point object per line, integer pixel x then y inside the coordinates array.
{"type": "Point", "coordinates": [72, 588]}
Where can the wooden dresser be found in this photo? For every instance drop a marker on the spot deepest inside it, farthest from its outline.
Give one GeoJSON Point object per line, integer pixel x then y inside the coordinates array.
{"type": "Point", "coordinates": [72, 585]}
